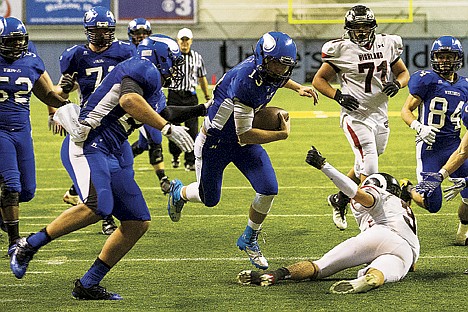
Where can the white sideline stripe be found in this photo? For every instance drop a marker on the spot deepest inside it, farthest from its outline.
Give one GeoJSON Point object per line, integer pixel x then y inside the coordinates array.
{"type": "Point", "coordinates": [146, 168]}
{"type": "Point", "coordinates": [246, 187]}
{"type": "Point", "coordinates": [29, 272]}
{"type": "Point", "coordinates": [243, 216]}
{"type": "Point", "coordinates": [200, 259]}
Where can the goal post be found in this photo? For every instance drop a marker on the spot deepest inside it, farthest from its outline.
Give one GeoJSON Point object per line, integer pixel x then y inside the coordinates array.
{"type": "Point", "coordinates": [332, 12]}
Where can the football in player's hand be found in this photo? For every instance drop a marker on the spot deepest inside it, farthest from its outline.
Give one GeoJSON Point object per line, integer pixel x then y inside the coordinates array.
{"type": "Point", "coordinates": [268, 118]}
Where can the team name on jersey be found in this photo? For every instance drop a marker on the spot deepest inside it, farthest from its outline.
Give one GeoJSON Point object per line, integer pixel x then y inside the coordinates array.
{"type": "Point", "coordinates": [452, 92]}
{"type": "Point", "coordinates": [12, 70]}
{"type": "Point", "coordinates": [370, 56]}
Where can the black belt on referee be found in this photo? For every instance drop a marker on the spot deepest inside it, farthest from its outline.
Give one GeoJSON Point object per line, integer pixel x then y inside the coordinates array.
{"type": "Point", "coordinates": [181, 92]}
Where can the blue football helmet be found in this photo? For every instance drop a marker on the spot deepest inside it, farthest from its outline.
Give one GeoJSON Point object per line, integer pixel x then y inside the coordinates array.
{"type": "Point", "coordinates": [384, 181]}
{"type": "Point", "coordinates": [275, 57]}
{"type": "Point", "coordinates": [446, 44]}
{"type": "Point", "coordinates": [14, 39]}
{"type": "Point", "coordinates": [99, 24]}
{"type": "Point", "coordinates": [360, 25]}
{"type": "Point", "coordinates": [165, 54]}
{"type": "Point", "coordinates": [138, 29]}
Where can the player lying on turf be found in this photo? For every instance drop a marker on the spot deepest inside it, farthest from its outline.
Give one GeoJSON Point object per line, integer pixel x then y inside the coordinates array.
{"type": "Point", "coordinates": [387, 244]}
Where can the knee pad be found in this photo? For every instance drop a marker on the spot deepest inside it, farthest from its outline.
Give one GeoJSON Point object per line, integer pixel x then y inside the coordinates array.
{"type": "Point", "coordinates": [10, 198]}
{"type": "Point", "coordinates": [262, 203]}
{"type": "Point", "coordinates": [155, 154]}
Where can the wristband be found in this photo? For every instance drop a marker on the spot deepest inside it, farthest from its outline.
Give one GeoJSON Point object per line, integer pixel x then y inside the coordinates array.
{"type": "Point", "coordinates": [415, 124]}
{"type": "Point", "coordinates": [444, 173]}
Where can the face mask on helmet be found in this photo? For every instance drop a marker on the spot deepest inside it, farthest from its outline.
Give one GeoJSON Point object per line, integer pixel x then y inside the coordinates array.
{"type": "Point", "coordinates": [446, 55]}
{"type": "Point", "coordinates": [360, 25]}
{"type": "Point", "coordinates": [275, 56]}
{"type": "Point", "coordinates": [385, 182]}
{"type": "Point", "coordinates": [138, 29]}
{"type": "Point", "coordinates": [99, 24]}
{"type": "Point", "coordinates": [165, 54]}
{"type": "Point", "coordinates": [13, 39]}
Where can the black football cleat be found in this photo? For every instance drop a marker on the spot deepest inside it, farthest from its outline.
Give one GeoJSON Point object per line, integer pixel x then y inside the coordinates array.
{"type": "Point", "coordinates": [95, 292]}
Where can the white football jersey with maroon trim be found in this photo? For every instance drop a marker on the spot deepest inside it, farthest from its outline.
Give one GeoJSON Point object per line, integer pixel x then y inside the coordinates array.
{"type": "Point", "coordinates": [389, 211]}
{"type": "Point", "coordinates": [362, 72]}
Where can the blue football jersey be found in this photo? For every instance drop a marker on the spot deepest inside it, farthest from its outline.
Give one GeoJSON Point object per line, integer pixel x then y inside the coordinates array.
{"type": "Point", "coordinates": [91, 67]}
{"type": "Point", "coordinates": [442, 101]}
{"type": "Point", "coordinates": [464, 114]}
{"type": "Point", "coordinates": [158, 100]}
{"type": "Point", "coordinates": [16, 82]}
{"type": "Point", "coordinates": [242, 82]}
{"type": "Point", "coordinates": [32, 47]}
{"type": "Point", "coordinates": [111, 124]}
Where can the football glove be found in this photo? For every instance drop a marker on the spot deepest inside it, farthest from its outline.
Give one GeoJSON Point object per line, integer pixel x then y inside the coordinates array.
{"type": "Point", "coordinates": [347, 101]}
{"type": "Point", "coordinates": [315, 159]}
{"type": "Point", "coordinates": [430, 182]}
{"type": "Point", "coordinates": [425, 133]}
{"type": "Point", "coordinates": [459, 184]}
{"type": "Point", "coordinates": [55, 127]}
{"type": "Point", "coordinates": [67, 83]}
{"type": "Point", "coordinates": [391, 88]}
{"type": "Point", "coordinates": [67, 117]}
{"type": "Point", "coordinates": [178, 135]}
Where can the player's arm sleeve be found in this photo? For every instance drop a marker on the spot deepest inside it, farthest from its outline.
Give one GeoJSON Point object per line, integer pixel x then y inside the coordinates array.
{"type": "Point", "coordinates": [178, 114]}
{"type": "Point", "coordinates": [243, 116]}
{"type": "Point", "coordinates": [128, 85]}
{"type": "Point", "coordinates": [241, 93]}
{"type": "Point", "coordinates": [344, 184]}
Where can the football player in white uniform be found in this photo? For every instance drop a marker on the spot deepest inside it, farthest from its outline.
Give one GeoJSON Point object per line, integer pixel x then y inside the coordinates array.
{"type": "Point", "coordinates": [369, 70]}
{"type": "Point", "coordinates": [387, 244]}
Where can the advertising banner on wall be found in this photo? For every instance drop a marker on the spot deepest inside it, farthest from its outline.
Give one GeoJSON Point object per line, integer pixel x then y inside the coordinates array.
{"type": "Point", "coordinates": [11, 8]}
{"type": "Point", "coordinates": [46, 12]}
{"type": "Point", "coordinates": [159, 11]}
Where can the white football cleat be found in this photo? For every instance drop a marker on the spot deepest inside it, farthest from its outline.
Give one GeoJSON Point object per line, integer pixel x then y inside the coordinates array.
{"type": "Point", "coordinates": [358, 285]}
{"type": "Point", "coordinates": [339, 212]}
{"type": "Point", "coordinates": [461, 239]}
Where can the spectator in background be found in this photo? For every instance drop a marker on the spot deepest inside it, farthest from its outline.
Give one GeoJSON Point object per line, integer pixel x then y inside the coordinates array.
{"type": "Point", "coordinates": [185, 93]}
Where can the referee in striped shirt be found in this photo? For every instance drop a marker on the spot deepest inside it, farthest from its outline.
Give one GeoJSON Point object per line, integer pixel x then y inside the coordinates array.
{"type": "Point", "coordinates": [185, 94]}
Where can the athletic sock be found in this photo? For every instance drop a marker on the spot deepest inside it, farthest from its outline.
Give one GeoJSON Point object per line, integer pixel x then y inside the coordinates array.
{"type": "Point", "coordinates": [39, 239]}
{"type": "Point", "coordinates": [95, 274]}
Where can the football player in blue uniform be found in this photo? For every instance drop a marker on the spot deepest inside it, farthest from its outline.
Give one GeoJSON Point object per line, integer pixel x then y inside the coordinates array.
{"type": "Point", "coordinates": [23, 73]}
{"type": "Point", "coordinates": [227, 136]}
{"type": "Point", "coordinates": [102, 173]}
{"type": "Point", "coordinates": [439, 95]}
{"type": "Point", "coordinates": [149, 139]}
{"type": "Point", "coordinates": [84, 66]}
